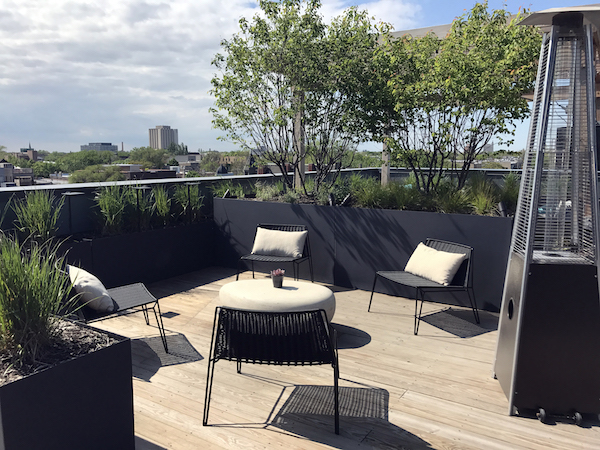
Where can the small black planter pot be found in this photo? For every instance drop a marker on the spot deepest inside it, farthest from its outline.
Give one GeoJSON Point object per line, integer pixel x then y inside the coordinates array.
{"type": "Point", "coordinates": [86, 402]}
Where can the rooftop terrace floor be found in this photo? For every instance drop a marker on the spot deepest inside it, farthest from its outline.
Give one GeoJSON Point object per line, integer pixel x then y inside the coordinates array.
{"type": "Point", "coordinates": [434, 390]}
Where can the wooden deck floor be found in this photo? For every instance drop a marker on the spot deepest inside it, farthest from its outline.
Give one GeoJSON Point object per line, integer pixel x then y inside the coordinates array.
{"type": "Point", "coordinates": [399, 391]}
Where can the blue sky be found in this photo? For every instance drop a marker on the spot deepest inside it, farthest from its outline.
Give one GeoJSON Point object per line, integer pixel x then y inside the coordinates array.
{"type": "Point", "coordinates": [76, 71]}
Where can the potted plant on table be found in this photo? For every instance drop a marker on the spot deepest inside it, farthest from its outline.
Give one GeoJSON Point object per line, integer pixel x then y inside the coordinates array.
{"type": "Point", "coordinates": [277, 277]}
{"type": "Point", "coordinates": [62, 384]}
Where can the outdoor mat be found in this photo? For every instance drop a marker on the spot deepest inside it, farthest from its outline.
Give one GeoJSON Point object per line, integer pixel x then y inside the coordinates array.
{"type": "Point", "coordinates": [354, 402]}
{"type": "Point", "coordinates": [462, 323]}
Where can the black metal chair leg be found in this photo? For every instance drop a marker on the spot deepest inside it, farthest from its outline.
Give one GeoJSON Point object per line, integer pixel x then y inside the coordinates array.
{"type": "Point", "coordinates": [372, 290]}
{"type": "Point", "coordinates": [209, 373]}
{"type": "Point", "coordinates": [473, 305]}
{"type": "Point", "coordinates": [336, 398]}
{"type": "Point", "coordinates": [239, 366]}
{"type": "Point", "coordinates": [252, 269]}
{"type": "Point", "coordinates": [239, 266]}
{"type": "Point", "coordinates": [161, 326]}
{"type": "Point", "coordinates": [208, 391]}
{"type": "Point", "coordinates": [418, 317]}
{"type": "Point", "coordinates": [312, 277]}
{"type": "Point", "coordinates": [145, 311]}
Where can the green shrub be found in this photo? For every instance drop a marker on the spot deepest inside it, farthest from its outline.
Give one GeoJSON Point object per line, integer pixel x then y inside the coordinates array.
{"type": "Point", "coordinates": [112, 203]}
{"type": "Point", "coordinates": [37, 214]}
{"type": "Point", "coordinates": [290, 196]}
{"type": "Point", "coordinates": [405, 196]}
{"type": "Point", "coordinates": [162, 203]}
{"type": "Point", "coordinates": [189, 201]}
{"type": "Point", "coordinates": [139, 207]}
{"type": "Point", "coordinates": [267, 191]}
{"type": "Point", "coordinates": [484, 195]}
{"type": "Point", "coordinates": [509, 192]}
{"type": "Point", "coordinates": [33, 291]}
{"type": "Point", "coordinates": [235, 189]}
{"type": "Point", "coordinates": [449, 199]}
{"type": "Point", "coordinates": [367, 192]}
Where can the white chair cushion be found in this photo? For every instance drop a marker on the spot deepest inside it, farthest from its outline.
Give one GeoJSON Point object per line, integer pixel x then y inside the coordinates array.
{"type": "Point", "coordinates": [433, 264]}
{"type": "Point", "coordinates": [92, 291]}
{"type": "Point", "coordinates": [279, 243]}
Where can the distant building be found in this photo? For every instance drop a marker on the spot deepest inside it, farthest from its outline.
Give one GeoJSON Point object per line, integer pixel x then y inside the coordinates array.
{"type": "Point", "coordinates": [190, 157]}
{"type": "Point", "coordinates": [26, 153]}
{"type": "Point", "coordinates": [488, 148]}
{"type": "Point", "coordinates": [23, 176]}
{"type": "Point", "coordinates": [100, 146]}
{"type": "Point", "coordinates": [6, 174]}
{"type": "Point", "coordinates": [162, 136]}
{"type": "Point", "coordinates": [151, 174]}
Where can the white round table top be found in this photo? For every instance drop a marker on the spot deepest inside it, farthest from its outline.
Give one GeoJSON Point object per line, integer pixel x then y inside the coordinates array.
{"type": "Point", "coordinates": [260, 295]}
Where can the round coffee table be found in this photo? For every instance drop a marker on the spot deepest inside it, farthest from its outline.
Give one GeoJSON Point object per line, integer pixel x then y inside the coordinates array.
{"type": "Point", "coordinates": [260, 295]}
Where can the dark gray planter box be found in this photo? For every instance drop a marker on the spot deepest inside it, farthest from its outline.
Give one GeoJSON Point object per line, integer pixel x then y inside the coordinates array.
{"type": "Point", "coordinates": [349, 244]}
{"type": "Point", "coordinates": [86, 402]}
{"type": "Point", "coordinates": [146, 256]}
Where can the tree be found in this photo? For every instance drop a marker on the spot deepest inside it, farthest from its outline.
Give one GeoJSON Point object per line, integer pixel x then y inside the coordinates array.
{"type": "Point", "coordinates": [72, 162]}
{"type": "Point", "coordinates": [284, 91]}
{"type": "Point", "coordinates": [150, 158]}
{"type": "Point", "coordinates": [177, 149]}
{"type": "Point", "coordinates": [44, 169]}
{"type": "Point", "coordinates": [97, 173]}
{"type": "Point", "coordinates": [210, 161]}
{"type": "Point", "coordinates": [450, 96]}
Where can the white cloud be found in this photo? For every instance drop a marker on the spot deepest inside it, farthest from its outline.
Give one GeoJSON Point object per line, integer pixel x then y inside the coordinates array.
{"type": "Point", "coordinates": [78, 71]}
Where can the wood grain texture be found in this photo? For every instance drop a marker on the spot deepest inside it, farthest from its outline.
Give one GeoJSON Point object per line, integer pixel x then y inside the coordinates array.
{"type": "Point", "coordinates": [399, 391]}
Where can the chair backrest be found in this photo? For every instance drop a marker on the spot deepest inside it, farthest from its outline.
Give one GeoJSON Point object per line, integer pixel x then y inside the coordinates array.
{"type": "Point", "coordinates": [288, 227]}
{"type": "Point", "coordinates": [463, 275]}
{"type": "Point", "coordinates": [280, 338]}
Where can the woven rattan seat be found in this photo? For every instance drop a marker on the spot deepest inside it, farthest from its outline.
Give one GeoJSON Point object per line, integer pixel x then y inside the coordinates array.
{"type": "Point", "coordinates": [462, 281]}
{"type": "Point", "coordinates": [257, 258]}
{"type": "Point", "coordinates": [277, 338]}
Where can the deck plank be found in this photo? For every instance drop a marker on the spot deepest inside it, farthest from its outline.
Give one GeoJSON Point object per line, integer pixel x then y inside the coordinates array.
{"type": "Point", "coordinates": [437, 389]}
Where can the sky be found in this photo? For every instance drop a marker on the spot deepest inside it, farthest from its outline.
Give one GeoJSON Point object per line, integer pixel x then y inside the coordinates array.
{"type": "Point", "coordinates": [79, 71]}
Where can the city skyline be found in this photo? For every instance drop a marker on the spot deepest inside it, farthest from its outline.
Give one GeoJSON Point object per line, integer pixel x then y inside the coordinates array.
{"type": "Point", "coordinates": [76, 72]}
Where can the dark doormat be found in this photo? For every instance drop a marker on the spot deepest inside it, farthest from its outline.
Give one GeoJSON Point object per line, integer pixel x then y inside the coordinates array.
{"type": "Point", "coordinates": [462, 323]}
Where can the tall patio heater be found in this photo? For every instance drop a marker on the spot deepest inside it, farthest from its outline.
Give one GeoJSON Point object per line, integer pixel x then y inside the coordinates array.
{"type": "Point", "coordinates": [548, 352]}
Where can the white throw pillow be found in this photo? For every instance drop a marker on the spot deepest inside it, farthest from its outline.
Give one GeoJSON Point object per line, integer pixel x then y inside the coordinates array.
{"type": "Point", "coordinates": [433, 264]}
{"type": "Point", "coordinates": [92, 291]}
{"type": "Point", "coordinates": [279, 243]}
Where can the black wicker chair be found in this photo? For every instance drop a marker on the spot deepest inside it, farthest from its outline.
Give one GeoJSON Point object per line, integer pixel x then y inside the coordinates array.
{"type": "Point", "coordinates": [279, 338]}
{"type": "Point", "coordinates": [280, 259]}
{"type": "Point", "coordinates": [462, 281]}
{"type": "Point", "coordinates": [128, 299]}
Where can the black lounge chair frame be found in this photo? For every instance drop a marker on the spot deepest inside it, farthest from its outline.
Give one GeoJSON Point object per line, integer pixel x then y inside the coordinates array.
{"type": "Point", "coordinates": [278, 338]}
{"type": "Point", "coordinates": [128, 299]}
{"type": "Point", "coordinates": [462, 281]}
{"type": "Point", "coordinates": [280, 259]}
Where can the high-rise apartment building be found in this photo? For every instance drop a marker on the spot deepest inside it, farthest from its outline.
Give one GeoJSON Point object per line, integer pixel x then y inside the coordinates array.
{"type": "Point", "coordinates": [162, 136]}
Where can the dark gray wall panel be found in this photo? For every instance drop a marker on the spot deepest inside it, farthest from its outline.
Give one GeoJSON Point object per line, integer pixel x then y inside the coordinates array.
{"type": "Point", "coordinates": [350, 244]}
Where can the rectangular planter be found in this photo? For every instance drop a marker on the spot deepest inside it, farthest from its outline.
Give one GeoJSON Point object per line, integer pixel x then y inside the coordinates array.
{"type": "Point", "coordinates": [146, 256]}
{"type": "Point", "coordinates": [86, 402]}
{"type": "Point", "coordinates": [349, 244]}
